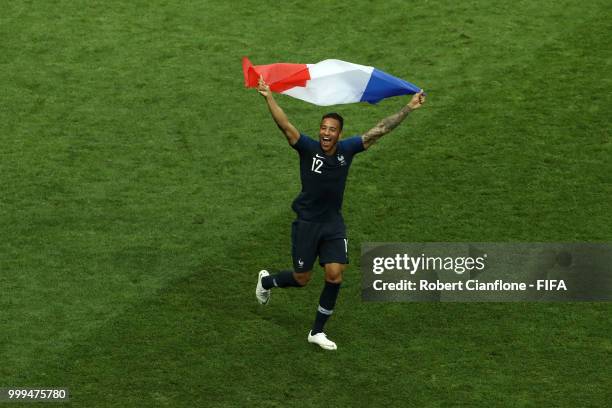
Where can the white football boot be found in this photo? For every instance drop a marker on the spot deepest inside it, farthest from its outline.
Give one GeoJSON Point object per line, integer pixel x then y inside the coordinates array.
{"type": "Point", "coordinates": [263, 295]}
{"type": "Point", "coordinates": [322, 340]}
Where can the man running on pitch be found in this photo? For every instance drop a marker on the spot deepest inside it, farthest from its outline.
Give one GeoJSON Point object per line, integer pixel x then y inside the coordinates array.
{"type": "Point", "coordinates": [319, 229]}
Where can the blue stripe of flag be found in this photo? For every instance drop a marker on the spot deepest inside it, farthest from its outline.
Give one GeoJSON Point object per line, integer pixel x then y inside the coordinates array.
{"type": "Point", "coordinates": [382, 85]}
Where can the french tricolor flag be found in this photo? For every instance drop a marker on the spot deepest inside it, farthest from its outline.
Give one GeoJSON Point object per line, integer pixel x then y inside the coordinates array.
{"type": "Point", "coordinates": [329, 82]}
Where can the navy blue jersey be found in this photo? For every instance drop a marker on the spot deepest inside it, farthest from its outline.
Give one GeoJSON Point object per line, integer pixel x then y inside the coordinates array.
{"type": "Point", "coordinates": [323, 178]}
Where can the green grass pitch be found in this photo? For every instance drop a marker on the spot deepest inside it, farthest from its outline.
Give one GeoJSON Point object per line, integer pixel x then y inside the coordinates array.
{"type": "Point", "coordinates": [143, 187]}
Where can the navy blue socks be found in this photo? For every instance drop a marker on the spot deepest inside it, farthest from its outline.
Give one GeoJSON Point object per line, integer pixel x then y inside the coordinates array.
{"type": "Point", "coordinates": [283, 279]}
{"type": "Point", "coordinates": [327, 301]}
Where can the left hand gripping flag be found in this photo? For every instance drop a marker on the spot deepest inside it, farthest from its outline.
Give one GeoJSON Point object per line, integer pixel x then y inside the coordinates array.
{"type": "Point", "coordinates": [329, 82]}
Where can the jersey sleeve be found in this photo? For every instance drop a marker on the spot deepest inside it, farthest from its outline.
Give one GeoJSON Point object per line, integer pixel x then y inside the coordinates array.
{"type": "Point", "coordinates": [304, 143]}
{"type": "Point", "coordinates": [353, 145]}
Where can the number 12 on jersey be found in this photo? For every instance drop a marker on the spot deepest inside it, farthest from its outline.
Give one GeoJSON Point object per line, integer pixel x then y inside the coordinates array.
{"type": "Point", "coordinates": [316, 165]}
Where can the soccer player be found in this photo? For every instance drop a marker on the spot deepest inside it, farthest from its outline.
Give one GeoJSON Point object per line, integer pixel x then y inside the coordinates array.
{"type": "Point", "coordinates": [319, 229]}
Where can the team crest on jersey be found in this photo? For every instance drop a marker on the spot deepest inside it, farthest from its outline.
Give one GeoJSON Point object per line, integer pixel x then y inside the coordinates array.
{"type": "Point", "coordinates": [341, 160]}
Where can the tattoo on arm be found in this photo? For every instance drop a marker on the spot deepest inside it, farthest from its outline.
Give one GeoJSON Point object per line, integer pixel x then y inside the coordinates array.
{"type": "Point", "coordinates": [384, 126]}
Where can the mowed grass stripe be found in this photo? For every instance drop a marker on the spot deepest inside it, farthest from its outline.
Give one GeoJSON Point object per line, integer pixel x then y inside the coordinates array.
{"type": "Point", "coordinates": [500, 159]}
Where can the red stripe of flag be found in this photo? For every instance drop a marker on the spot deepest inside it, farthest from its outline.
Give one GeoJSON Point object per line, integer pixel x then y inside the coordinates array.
{"type": "Point", "coordinates": [279, 77]}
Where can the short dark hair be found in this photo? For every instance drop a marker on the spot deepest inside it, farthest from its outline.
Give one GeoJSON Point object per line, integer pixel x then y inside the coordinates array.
{"type": "Point", "coordinates": [334, 115]}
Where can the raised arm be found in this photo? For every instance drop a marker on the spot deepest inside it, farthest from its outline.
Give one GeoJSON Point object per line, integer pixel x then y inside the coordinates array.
{"type": "Point", "coordinates": [388, 124]}
{"type": "Point", "coordinates": [278, 115]}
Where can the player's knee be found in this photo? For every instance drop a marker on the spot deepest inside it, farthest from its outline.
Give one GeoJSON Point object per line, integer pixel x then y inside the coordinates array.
{"type": "Point", "coordinates": [334, 276]}
{"type": "Point", "coordinates": [302, 278]}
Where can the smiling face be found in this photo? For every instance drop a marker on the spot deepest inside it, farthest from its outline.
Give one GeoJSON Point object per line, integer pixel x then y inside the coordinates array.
{"type": "Point", "coordinates": [329, 134]}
